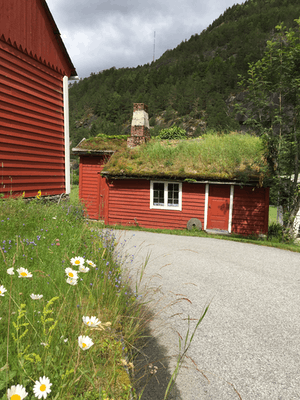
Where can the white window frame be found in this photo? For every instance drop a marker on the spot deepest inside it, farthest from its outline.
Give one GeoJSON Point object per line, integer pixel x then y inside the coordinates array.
{"type": "Point", "coordinates": [166, 206]}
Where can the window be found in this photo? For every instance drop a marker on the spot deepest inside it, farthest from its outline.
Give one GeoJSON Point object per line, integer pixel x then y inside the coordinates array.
{"type": "Point", "coordinates": [165, 195]}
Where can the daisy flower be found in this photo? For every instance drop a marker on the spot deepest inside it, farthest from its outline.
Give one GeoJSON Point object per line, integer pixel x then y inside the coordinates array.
{"type": "Point", "coordinates": [36, 296]}
{"type": "Point", "coordinates": [82, 268]}
{"type": "Point", "coordinates": [85, 342]}
{"type": "Point", "coordinates": [42, 387]}
{"type": "Point", "coordinates": [2, 290]}
{"type": "Point", "coordinates": [10, 271]}
{"type": "Point", "coordinates": [71, 273]}
{"type": "Point", "coordinates": [91, 321]}
{"type": "Point", "coordinates": [90, 263]}
{"type": "Point", "coordinates": [72, 281]}
{"type": "Point", "coordinates": [77, 261]}
{"type": "Point", "coordinates": [16, 392]}
{"type": "Point", "coordinates": [24, 273]}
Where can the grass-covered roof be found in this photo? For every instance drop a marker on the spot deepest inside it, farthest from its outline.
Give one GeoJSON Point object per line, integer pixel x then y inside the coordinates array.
{"type": "Point", "coordinates": [213, 157]}
{"type": "Point", "coordinates": [101, 143]}
{"type": "Point", "coordinates": [225, 157]}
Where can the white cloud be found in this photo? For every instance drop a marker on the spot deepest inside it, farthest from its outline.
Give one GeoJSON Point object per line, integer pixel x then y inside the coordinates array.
{"type": "Point", "coordinates": [100, 34]}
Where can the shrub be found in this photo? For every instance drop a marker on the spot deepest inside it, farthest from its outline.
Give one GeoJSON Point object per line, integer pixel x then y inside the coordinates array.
{"type": "Point", "coordinates": [175, 132]}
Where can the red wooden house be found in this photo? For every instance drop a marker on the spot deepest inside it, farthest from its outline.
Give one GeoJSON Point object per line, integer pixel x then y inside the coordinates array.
{"type": "Point", "coordinates": [34, 120]}
{"type": "Point", "coordinates": [155, 199]}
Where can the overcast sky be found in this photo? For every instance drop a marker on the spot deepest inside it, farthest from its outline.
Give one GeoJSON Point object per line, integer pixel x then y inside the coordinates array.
{"type": "Point", "coordinates": [100, 34]}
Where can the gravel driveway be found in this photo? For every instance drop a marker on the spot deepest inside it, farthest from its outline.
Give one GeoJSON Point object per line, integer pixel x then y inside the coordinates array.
{"type": "Point", "coordinates": [247, 346]}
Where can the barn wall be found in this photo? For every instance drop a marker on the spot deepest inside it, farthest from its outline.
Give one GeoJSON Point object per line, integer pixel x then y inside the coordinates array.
{"type": "Point", "coordinates": [129, 204]}
{"type": "Point", "coordinates": [250, 210]}
{"type": "Point", "coordinates": [92, 185]}
{"type": "Point", "coordinates": [32, 126]}
{"type": "Point", "coordinates": [28, 25]}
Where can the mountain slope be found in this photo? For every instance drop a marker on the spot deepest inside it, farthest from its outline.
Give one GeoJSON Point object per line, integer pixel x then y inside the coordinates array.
{"type": "Point", "coordinates": [190, 84]}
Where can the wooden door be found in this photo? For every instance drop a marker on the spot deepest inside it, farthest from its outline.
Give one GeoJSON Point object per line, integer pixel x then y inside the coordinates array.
{"type": "Point", "coordinates": [218, 207]}
{"type": "Point", "coordinates": [102, 193]}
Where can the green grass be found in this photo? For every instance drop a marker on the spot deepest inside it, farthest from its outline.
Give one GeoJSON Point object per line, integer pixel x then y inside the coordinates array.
{"type": "Point", "coordinates": [272, 214]}
{"type": "Point", "coordinates": [40, 337]}
{"type": "Point", "coordinates": [214, 156]}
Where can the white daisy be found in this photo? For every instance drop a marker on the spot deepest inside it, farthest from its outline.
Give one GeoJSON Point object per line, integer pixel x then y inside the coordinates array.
{"type": "Point", "coordinates": [36, 296]}
{"type": "Point", "coordinates": [16, 392]}
{"type": "Point", "coordinates": [71, 273]}
{"type": "Point", "coordinates": [10, 271]}
{"type": "Point", "coordinates": [42, 387]}
{"type": "Point", "coordinates": [90, 263]}
{"type": "Point", "coordinates": [72, 281]}
{"type": "Point", "coordinates": [85, 342]}
{"type": "Point", "coordinates": [82, 268]}
{"type": "Point", "coordinates": [91, 321]}
{"type": "Point", "coordinates": [24, 273]}
{"type": "Point", "coordinates": [2, 290]}
{"type": "Point", "coordinates": [77, 261]}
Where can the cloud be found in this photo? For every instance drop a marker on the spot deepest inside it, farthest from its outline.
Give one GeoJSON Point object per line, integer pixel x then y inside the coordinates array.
{"type": "Point", "coordinates": [102, 34]}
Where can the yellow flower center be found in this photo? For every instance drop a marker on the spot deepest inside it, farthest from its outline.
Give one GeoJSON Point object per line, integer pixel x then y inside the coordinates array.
{"type": "Point", "coordinates": [83, 345]}
{"type": "Point", "coordinates": [77, 262]}
{"type": "Point", "coordinates": [15, 397]}
{"type": "Point", "coordinates": [23, 274]}
{"type": "Point", "coordinates": [71, 274]}
{"type": "Point", "coordinates": [43, 388]}
{"type": "Point", "coordinates": [88, 322]}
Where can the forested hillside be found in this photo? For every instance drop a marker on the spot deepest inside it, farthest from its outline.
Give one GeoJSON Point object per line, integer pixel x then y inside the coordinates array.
{"type": "Point", "coordinates": [192, 85]}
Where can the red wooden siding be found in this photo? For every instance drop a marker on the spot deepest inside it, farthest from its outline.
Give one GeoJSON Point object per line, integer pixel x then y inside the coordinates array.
{"type": "Point", "coordinates": [92, 186]}
{"type": "Point", "coordinates": [250, 210]}
{"type": "Point", "coordinates": [29, 26]}
{"type": "Point", "coordinates": [129, 204]}
{"type": "Point", "coordinates": [32, 156]}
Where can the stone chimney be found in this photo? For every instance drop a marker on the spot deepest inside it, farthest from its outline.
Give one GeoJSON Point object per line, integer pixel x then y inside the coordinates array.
{"type": "Point", "coordinates": [140, 131]}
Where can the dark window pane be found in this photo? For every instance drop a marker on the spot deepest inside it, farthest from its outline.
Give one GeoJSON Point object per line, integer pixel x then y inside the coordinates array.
{"type": "Point", "coordinates": [173, 194]}
{"type": "Point", "coordinates": [158, 194]}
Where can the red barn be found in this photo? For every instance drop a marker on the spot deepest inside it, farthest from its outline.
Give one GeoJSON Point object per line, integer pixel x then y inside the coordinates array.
{"type": "Point", "coordinates": [158, 199]}
{"type": "Point", "coordinates": [34, 120]}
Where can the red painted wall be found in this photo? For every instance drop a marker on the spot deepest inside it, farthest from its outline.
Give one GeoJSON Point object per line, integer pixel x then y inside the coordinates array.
{"type": "Point", "coordinates": [28, 26]}
{"type": "Point", "coordinates": [92, 186]}
{"type": "Point", "coordinates": [129, 204]}
{"type": "Point", "coordinates": [32, 155]}
{"type": "Point", "coordinates": [250, 212]}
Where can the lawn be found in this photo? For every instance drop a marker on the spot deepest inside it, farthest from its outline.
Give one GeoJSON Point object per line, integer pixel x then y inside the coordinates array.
{"type": "Point", "coordinates": [69, 321]}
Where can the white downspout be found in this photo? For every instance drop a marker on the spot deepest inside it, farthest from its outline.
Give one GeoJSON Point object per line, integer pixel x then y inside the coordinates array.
{"type": "Point", "coordinates": [206, 205]}
{"type": "Point", "coordinates": [230, 208]}
{"type": "Point", "coordinates": [67, 133]}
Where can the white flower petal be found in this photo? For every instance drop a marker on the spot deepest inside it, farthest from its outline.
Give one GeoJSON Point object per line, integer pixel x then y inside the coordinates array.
{"type": "Point", "coordinates": [2, 290]}
{"type": "Point", "coordinates": [36, 296]}
{"type": "Point", "coordinates": [85, 342]}
{"type": "Point", "coordinates": [11, 271]}
{"type": "Point", "coordinates": [24, 273]}
{"type": "Point", "coordinates": [42, 388]}
{"type": "Point", "coordinates": [18, 390]}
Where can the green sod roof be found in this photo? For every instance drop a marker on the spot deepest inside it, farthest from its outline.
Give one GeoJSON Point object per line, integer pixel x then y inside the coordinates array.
{"type": "Point", "coordinates": [226, 157]}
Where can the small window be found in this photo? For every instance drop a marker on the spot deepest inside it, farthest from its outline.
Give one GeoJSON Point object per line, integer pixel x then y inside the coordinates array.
{"type": "Point", "coordinates": [165, 195]}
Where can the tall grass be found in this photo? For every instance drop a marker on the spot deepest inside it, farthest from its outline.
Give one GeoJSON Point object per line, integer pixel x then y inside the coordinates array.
{"type": "Point", "coordinates": [40, 337]}
{"type": "Point", "coordinates": [212, 155]}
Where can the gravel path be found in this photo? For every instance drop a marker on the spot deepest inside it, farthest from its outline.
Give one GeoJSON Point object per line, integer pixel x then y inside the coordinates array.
{"type": "Point", "coordinates": [247, 346]}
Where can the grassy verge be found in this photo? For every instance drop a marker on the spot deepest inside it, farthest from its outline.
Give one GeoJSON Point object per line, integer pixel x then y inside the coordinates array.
{"type": "Point", "coordinates": [57, 273]}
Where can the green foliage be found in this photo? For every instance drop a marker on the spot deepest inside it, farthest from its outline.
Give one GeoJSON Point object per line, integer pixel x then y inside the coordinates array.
{"type": "Point", "coordinates": [275, 231]}
{"type": "Point", "coordinates": [39, 337]}
{"type": "Point", "coordinates": [175, 132]}
{"type": "Point", "coordinates": [273, 92]}
{"type": "Point", "coordinates": [199, 75]}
